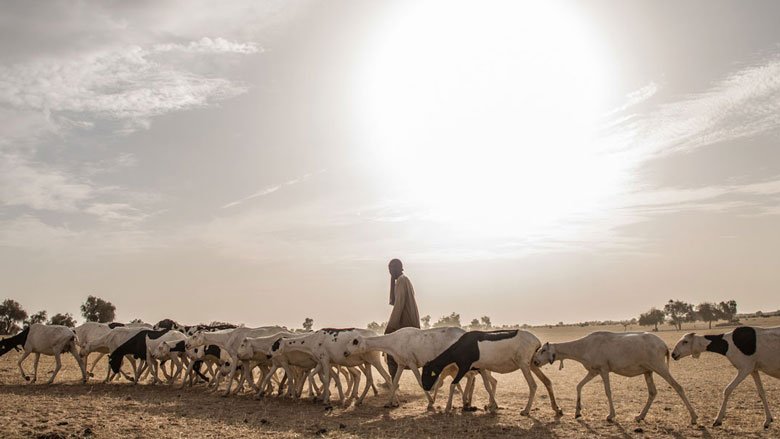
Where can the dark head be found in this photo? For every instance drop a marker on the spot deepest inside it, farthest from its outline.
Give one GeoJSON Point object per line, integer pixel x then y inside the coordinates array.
{"type": "Point", "coordinates": [396, 269]}
{"type": "Point", "coordinates": [14, 342]}
{"type": "Point", "coordinates": [430, 374]}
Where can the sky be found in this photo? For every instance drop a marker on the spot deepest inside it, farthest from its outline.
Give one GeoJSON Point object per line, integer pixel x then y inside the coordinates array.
{"type": "Point", "coordinates": [261, 162]}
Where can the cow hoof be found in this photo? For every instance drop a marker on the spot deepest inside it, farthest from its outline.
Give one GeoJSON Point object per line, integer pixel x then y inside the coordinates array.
{"type": "Point", "coordinates": [639, 419]}
{"type": "Point", "coordinates": [470, 409]}
{"type": "Point", "coordinates": [558, 413]}
{"type": "Point", "coordinates": [577, 415]}
{"type": "Point", "coordinates": [26, 378]}
{"type": "Point", "coordinates": [694, 421]}
{"type": "Point", "coordinates": [91, 375]}
{"type": "Point", "coordinates": [610, 419]}
{"type": "Point", "coordinates": [328, 408]}
{"type": "Point", "coordinates": [525, 413]}
{"type": "Point", "coordinates": [717, 423]}
{"type": "Point", "coordinates": [430, 408]}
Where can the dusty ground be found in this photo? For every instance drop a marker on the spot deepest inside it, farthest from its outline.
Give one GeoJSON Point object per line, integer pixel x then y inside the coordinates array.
{"type": "Point", "coordinates": [69, 409]}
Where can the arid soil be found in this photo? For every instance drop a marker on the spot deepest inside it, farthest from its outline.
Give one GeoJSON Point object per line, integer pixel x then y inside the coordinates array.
{"type": "Point", "coordinates": [71, 409]}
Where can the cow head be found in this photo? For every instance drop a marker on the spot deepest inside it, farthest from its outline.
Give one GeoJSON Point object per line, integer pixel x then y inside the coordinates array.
{"type": "Point", "coordinates": [690, 344]}
{"type": "Point", "coordinates": [545, 354]}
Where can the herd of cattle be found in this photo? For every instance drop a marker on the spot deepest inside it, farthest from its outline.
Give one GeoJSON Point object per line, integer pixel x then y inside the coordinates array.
{"type": "Point", "coordinates": [272, 357]}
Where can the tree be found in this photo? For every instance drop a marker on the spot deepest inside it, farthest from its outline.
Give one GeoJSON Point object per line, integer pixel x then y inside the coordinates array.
{"type": "Point", "coordinates": [379, 328]}
{"type": "Point", "coordinates": [654, 317]}
{"type": "Point", "coordinates": [63, 319]}
{"type": "Point", "coordinates": [11, 312]}
{"type": "Point", "coordinates": [728, 310]}
{"type": "Point", "coordinates": [679, 312]}
{"type": "Point", "coordinates": [625, 324]}
{"type": "Point", "coordinates": [136, 320]}
{"type": "Point", "coordinates": [486, 322]}
{"type": "Point", "coordinates": [474, 324]}
{"type": "Point", "coordinates": [308, 323]}
{"type": "Point", "coordinates": [39, 317]}
{"type": "Point", "coordinates": [450, 320]}
{"type": "Point", "coordinates": [708, 312]}
{"type": "Point", "coordinates": [96, 309]}
{"type": "Point", "coordinates": [426, 321]}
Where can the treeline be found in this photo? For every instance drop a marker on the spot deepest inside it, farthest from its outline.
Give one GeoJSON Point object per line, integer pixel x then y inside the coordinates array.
{"type": "Point", "coordinates": [13, 317]}
{"type": "Point", "coordinates": [677, 312]}
{"type": "Point", "coordinates": [449, 320]}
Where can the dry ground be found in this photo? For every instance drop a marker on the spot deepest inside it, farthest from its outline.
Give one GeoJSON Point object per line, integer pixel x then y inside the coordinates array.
{"type": "Point", "coordinates": [69, 409]}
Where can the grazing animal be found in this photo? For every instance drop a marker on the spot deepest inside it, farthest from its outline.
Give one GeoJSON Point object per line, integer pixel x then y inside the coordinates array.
{"type": "Point", "coordinates": [88, 332]}
{"type": "Point", "coordinates": [108, 343]}
{"type": "Point", "coordinates": [626, 353]}
{"type": "Point", "coordinates": [44, 339]}
{"type": "Point", "coordinates": [749, 349]}
{"type": "Point", "coordinates": [135, 347]}
{"type": "Point", "coordinates": [491, 351]}
{"type": "Point", "coordinates": [411, 348]}
{"type": "Point", "coordinates": [329, 347]}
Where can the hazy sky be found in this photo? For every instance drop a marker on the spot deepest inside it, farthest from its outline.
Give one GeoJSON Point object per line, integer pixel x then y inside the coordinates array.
{"type": "Point", "coordinates": [260, 162]}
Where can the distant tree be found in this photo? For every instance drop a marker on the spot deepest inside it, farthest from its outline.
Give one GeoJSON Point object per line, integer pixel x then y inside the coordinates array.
{"type": "Point", "coordinates": [654, 317]}
{"type": "Point", "coordinates": [96, 309]}
{"type": "Point", "coordinates": [708, 312]}
{"type": "Point", "coordinates": [450, 320]}
{"type": "Point", "coordinates": [626, 324]}
{"type": "Point", "coordinates": [308, 323]}
{"type": "Point", "coordinates": [379, 328]}
{"type": "Point", "coordinates": [728, 310]}
{"type": "Point", "coordinates": [63, 319]}
{"type": "Point", "coordinates": [137, 320]}
{"type": "Point", "coordinates": [679, 312]}
{"type": "Point", "coordinates": [486, 322]}
{"type": "Point", "coordinates": [475, 325]}
{"type": "Point", "coordinates": [11, 312]}
{"type": "Point", "coordinates": [39, 317]}
{"type": "Point", "coordinates": [426, 322]}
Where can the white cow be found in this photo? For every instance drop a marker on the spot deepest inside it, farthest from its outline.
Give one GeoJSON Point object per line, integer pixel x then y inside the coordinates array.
{"type": "Point", "coordinates": [329, 347]}
{"type": "Point", "coordinates": [624, 353]}
{"type": "Point", "coordinates": [749, 349]}
{"type": "Point", "coordinates": [44, 339]}
{"type": "Point", "coordinates": [412, 348]}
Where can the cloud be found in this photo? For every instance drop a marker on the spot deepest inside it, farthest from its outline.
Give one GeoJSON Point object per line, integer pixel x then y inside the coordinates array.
{"type": "Point", "coordinates": [209, 45]}
{"type": "Point", "coordinates": [118, 84]}
{"type": "Point", "coordinates": [39, 186]}
{"type": "Point", "coordinates": [745, 104]}
{"type": "Point", "coordinates": [271, 189]}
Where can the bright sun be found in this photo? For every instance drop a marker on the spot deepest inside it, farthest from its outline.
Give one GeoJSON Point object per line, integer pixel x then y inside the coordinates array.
{"type": "Point", "coordinates": [486, 114]}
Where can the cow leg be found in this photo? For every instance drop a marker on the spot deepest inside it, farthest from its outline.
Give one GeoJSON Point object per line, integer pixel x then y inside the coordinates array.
{"type": "Point", "coordinates": [57, 367]}
{"type": "Point", "coordinates": [651, 392]}
{"type": "Point", "coordinates": [417, 375]}
{"type": "Point", "coordinates": [325, 371]}
{"type": "Point", "coordinates": [663, 372]}
{"type": "Point", "coordinates": [94, 363]}
{"type": "Point", "coordinates": [741, 375]}
{"type": "Point", "coordinates": [392, 402]}
{"type": "Point", "coordinates": [608, 391]}
{"type": "Point", "coordinates": [468, 392]}
{"type": "Point", "coordinates": [448, 407]}
{"type": "Point", "coordinates": [548, 385]}
{"type": "Point", "coordinates": [35, 368]}
{"type": "Point", "coordinates": [356, 374]}
{"type": "Point", "coordinates": [366, 367]}
{"type": "Point", "coordinates": [82, 364]}
{"type": "Point", "coordinates": [25, 354]}
{"type": "Point", "coordinates": [578, 407]}
{"type": "Point", "coordinates": [762, 394]}
{"type": "Point", "coordinates": [531, 388]}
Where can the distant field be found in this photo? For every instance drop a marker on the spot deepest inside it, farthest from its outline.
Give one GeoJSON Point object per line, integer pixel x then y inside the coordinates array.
{"type": "Point", "coordinates": [70, 409]}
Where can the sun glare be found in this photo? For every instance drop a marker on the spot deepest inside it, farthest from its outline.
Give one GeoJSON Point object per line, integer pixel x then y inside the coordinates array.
{"type": "Point", "coordinates": [486, 115]}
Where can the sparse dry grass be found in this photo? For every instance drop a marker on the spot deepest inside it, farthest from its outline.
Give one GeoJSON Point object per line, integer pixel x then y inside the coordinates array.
{"type": "Point", "coordinates": [69, 409]}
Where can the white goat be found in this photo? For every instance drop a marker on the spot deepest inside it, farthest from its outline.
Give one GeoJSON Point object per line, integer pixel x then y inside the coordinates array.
{"type": "Point", "coordinates": [626, 353]}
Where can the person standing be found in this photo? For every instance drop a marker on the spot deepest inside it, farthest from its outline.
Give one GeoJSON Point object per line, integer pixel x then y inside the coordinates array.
{"type": "Point", "coordinates": [404, 305]}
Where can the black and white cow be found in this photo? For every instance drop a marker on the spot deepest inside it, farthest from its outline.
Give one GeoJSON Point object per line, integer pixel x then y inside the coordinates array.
{"type": "Point", "coordinates": [490, 351]}
{"type": "Point", "coordinates": [44, 339]}
{"type": "Point", "coordinates": [749, 349]}
{"type": "Point", "coordinates": [134, 347]}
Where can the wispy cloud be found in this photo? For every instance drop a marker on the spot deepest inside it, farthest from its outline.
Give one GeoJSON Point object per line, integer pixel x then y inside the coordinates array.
{"type": "Point", "coordinates": [271, 189]}
{"type": "Point", "coordinates": [209, 45]}
{"type": "Point", "coordinates": [746, 103]}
